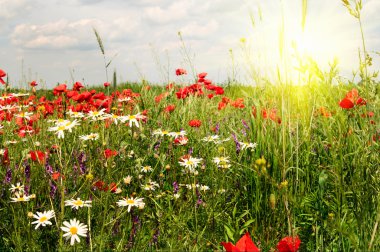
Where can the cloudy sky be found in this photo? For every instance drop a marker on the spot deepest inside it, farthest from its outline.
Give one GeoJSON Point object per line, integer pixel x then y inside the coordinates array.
{"type": "Point", "coordinates": [53, 41]}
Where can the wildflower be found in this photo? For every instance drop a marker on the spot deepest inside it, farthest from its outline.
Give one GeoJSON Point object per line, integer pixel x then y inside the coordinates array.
{"type": "Point", "coordinates": [176, 195]}
{"type": "Point", "coordinates": [177, 134]}
{"type": "Point", "coordinates": [182, 140]}
{"type": "Point", "coordinates": [245, 145]}
{"type": "Point", "coordinates": [204, 188]}
{"type": "Point", "coordinates": [108, 153]}
{"type": "Point", "coordinates": [78, 203]}
{"type": "Point", "coordinates": [180, 71]}
{"type": "Point", "coordinates": [62, 125]}
{"type": "Point", "coordinates": [351, 98]}
{"type": "Point", "coordinates": [73, 230]}
{"type": "Point", "coordinates": [77, 86]}
{"type": "Point", "coordinates": [160, 132]}
{"type": "Point", "coordinates": [106, 84]}
{"type": "Point", "coordinates": [244, 244]}
{"type": "Point", "coordinates": [213, 138]}
{"type": "Point", "coordinates": [195, 123]}
{"type": "Point", "coordinates": [18, 188]}
{"type": "Point", "coordinates": [43, 218]}
{"type": "Point", "coordinates": [20, 198]}
{"type": "Point", "coordinates": [114, 189]}
{"type": "Point", "coordinates": [190, 162]}
{"type": "Point", "coordinates": [2, 75]}
{"type": "Point", "coordinates": [37, 156]}
{"type": "Point", "coordinates": [170, 108]}
{"type": "Point", "coordinates": [55, 175]}
{"type": "Point", "coordinates": [25, 115]}
{"type": "Point", "coordinates": [127, 180]}
{"type": "Point", "coordinates": [75, 114]}
{"type": "Point", "coordinates": [146, 168]}
{"type": "Point", "coordinates": [95, 115]}
{"type": "Point", "coordinates": [133, 119]}
{"type": "Point", "coordinates": [92, 136]}
{"type": "Point", "coordinates": [221, 160]}
{"type": "Point", "coordinates": [289, 244]}
{"type": "Point", "coordinates": [131, 202]}
{"type": "Point", "coordinates": [151, 185]}
{"type": "Point", "coordinates": [124, 99]}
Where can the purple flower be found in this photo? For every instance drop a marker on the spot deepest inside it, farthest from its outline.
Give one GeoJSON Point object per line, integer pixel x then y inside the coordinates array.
{"type": "Point", "coordinates": [48, 167]}
{"type": "Point", "coordinates": [175, 187]}
{"type": "Point", "coordinates": [236, 143]}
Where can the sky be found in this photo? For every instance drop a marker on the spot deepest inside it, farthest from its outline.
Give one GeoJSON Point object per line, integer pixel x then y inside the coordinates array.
{"type": "Point", "coordinates": [54, 42]}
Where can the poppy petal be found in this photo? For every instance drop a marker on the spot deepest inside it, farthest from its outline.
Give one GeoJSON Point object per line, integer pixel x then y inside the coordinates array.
{"type": "Point", "coordinates": [246, 244]}
{"type": "Point", "coordinates": [346, 103]}
{"type": "Point", "coordinates": [230, 247]}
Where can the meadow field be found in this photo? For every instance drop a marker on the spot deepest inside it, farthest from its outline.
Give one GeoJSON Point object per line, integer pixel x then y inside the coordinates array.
{"type": "Point", "coordinates": [288, 164]}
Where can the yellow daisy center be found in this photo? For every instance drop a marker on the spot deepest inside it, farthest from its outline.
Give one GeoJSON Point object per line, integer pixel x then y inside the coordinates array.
{"type": "Point", "coordinates": [73, 230]}
{"type": "Point", "coordinates": [43, 219]}
{"type": "Point", "coordinates": [130, 201]}
{"type": "Point", "coordinates": [78, 202]}
{"type": "Point", "coordinates": [61, 128]}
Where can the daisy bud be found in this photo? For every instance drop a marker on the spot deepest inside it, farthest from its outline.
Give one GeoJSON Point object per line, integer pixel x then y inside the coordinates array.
{"type": "Point", "coordinates": [30, 215]}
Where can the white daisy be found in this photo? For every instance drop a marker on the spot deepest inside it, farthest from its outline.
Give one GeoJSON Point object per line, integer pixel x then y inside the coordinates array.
{"type": "Point", "coordinates": [78, 203]}
{"type": "Point", "coordinates": [131, 202]}
{"type": "Point", "coordinates": [18, 188]}
{"type": "Point", "coordinates": [73, 230]}
{"type": "Point", "coordinates": [43, 218]}
{"type": "Point", "coordinates": [146, 168]}
{"type": "Point", "coordinates": [25, 115]}
{"type": "Point", "coordinates": [246, 145]}
{"type": "Point", "coordinates": [177, 134]}
{"type": "Point", "coordinates": [190, 163]}
{"type": "Point", "coordinates": [20, 198]}
{"type": "Point", "coordinates": [92, 136]}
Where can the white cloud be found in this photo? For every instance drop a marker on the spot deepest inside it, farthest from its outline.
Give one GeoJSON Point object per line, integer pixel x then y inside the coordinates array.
{"type": "Point", "coordinates": [64, 34]}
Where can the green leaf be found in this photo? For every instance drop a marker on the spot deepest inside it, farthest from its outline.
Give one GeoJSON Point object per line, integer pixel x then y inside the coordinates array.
{"type": "Point", "coordinates": [230, 233]}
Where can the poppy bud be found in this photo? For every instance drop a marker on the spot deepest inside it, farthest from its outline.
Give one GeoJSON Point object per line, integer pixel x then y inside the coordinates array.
{"type": "Point", "coordinates": [272, 201]}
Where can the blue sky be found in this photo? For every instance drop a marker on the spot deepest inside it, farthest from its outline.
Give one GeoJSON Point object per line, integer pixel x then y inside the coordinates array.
{"type": "Point", "coordinates": [53, 41]}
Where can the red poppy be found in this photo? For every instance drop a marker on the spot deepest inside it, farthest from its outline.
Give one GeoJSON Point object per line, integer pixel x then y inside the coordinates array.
{"type": "Point", "coordinates": [238, 103]}
{"type": "Point", "coordinates": [159, 97]}
{"type": "Point", "coordinates": [37, 156]}
{"type": "Point", "coordinates": [346, 103]}
{"type": "Point", "coordinates": [202, 75]}
{"type": "Point", "coordinates": [210, 96]}
{"type": "Point", "coordinates": [2, 74]}
{"type": "Point", "coordinates": [101, 185]}
{"type": "Point", "coordinates": [219, 91]}
{"type": "Point", "coordinates": [180, 71]}
{"type": "Point", "coordinates": [245, 244]}
{"type": "Point", "coordinates": [59, 89]}
{"type": "Point", "coordinates": [77, 86]}
{"type": "Point", "coordinates": [170, 108]}
{"type": "Point", "coordinates": [113, 187]}
{"type": "Point", "coordinates": [33, 84]}
{"type": "Point", "coordinates": [169, 86]}
{"type": "Point", "coordinates": [195, 123]}
{"type": "Point", "coordinates": [55, 175]}
{"type": "Point", "coordinates": [289, 244]}
{"type": "Point", "coordinates": [108, 153]}
{"type": "Point", "coordinates": [106, 84]}
{"type": "Point", "coordinates": [5, 159]}
{"type": "Point", "coordinates": [221, 105]}
{"type": "Point", "coordinates": [352, 98]}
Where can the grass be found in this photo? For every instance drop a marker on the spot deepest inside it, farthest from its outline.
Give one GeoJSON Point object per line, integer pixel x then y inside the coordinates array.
{"type": "Point", "coordinates": [311, 176]}
{"type": "Point", "coordinates": [311, 171]}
